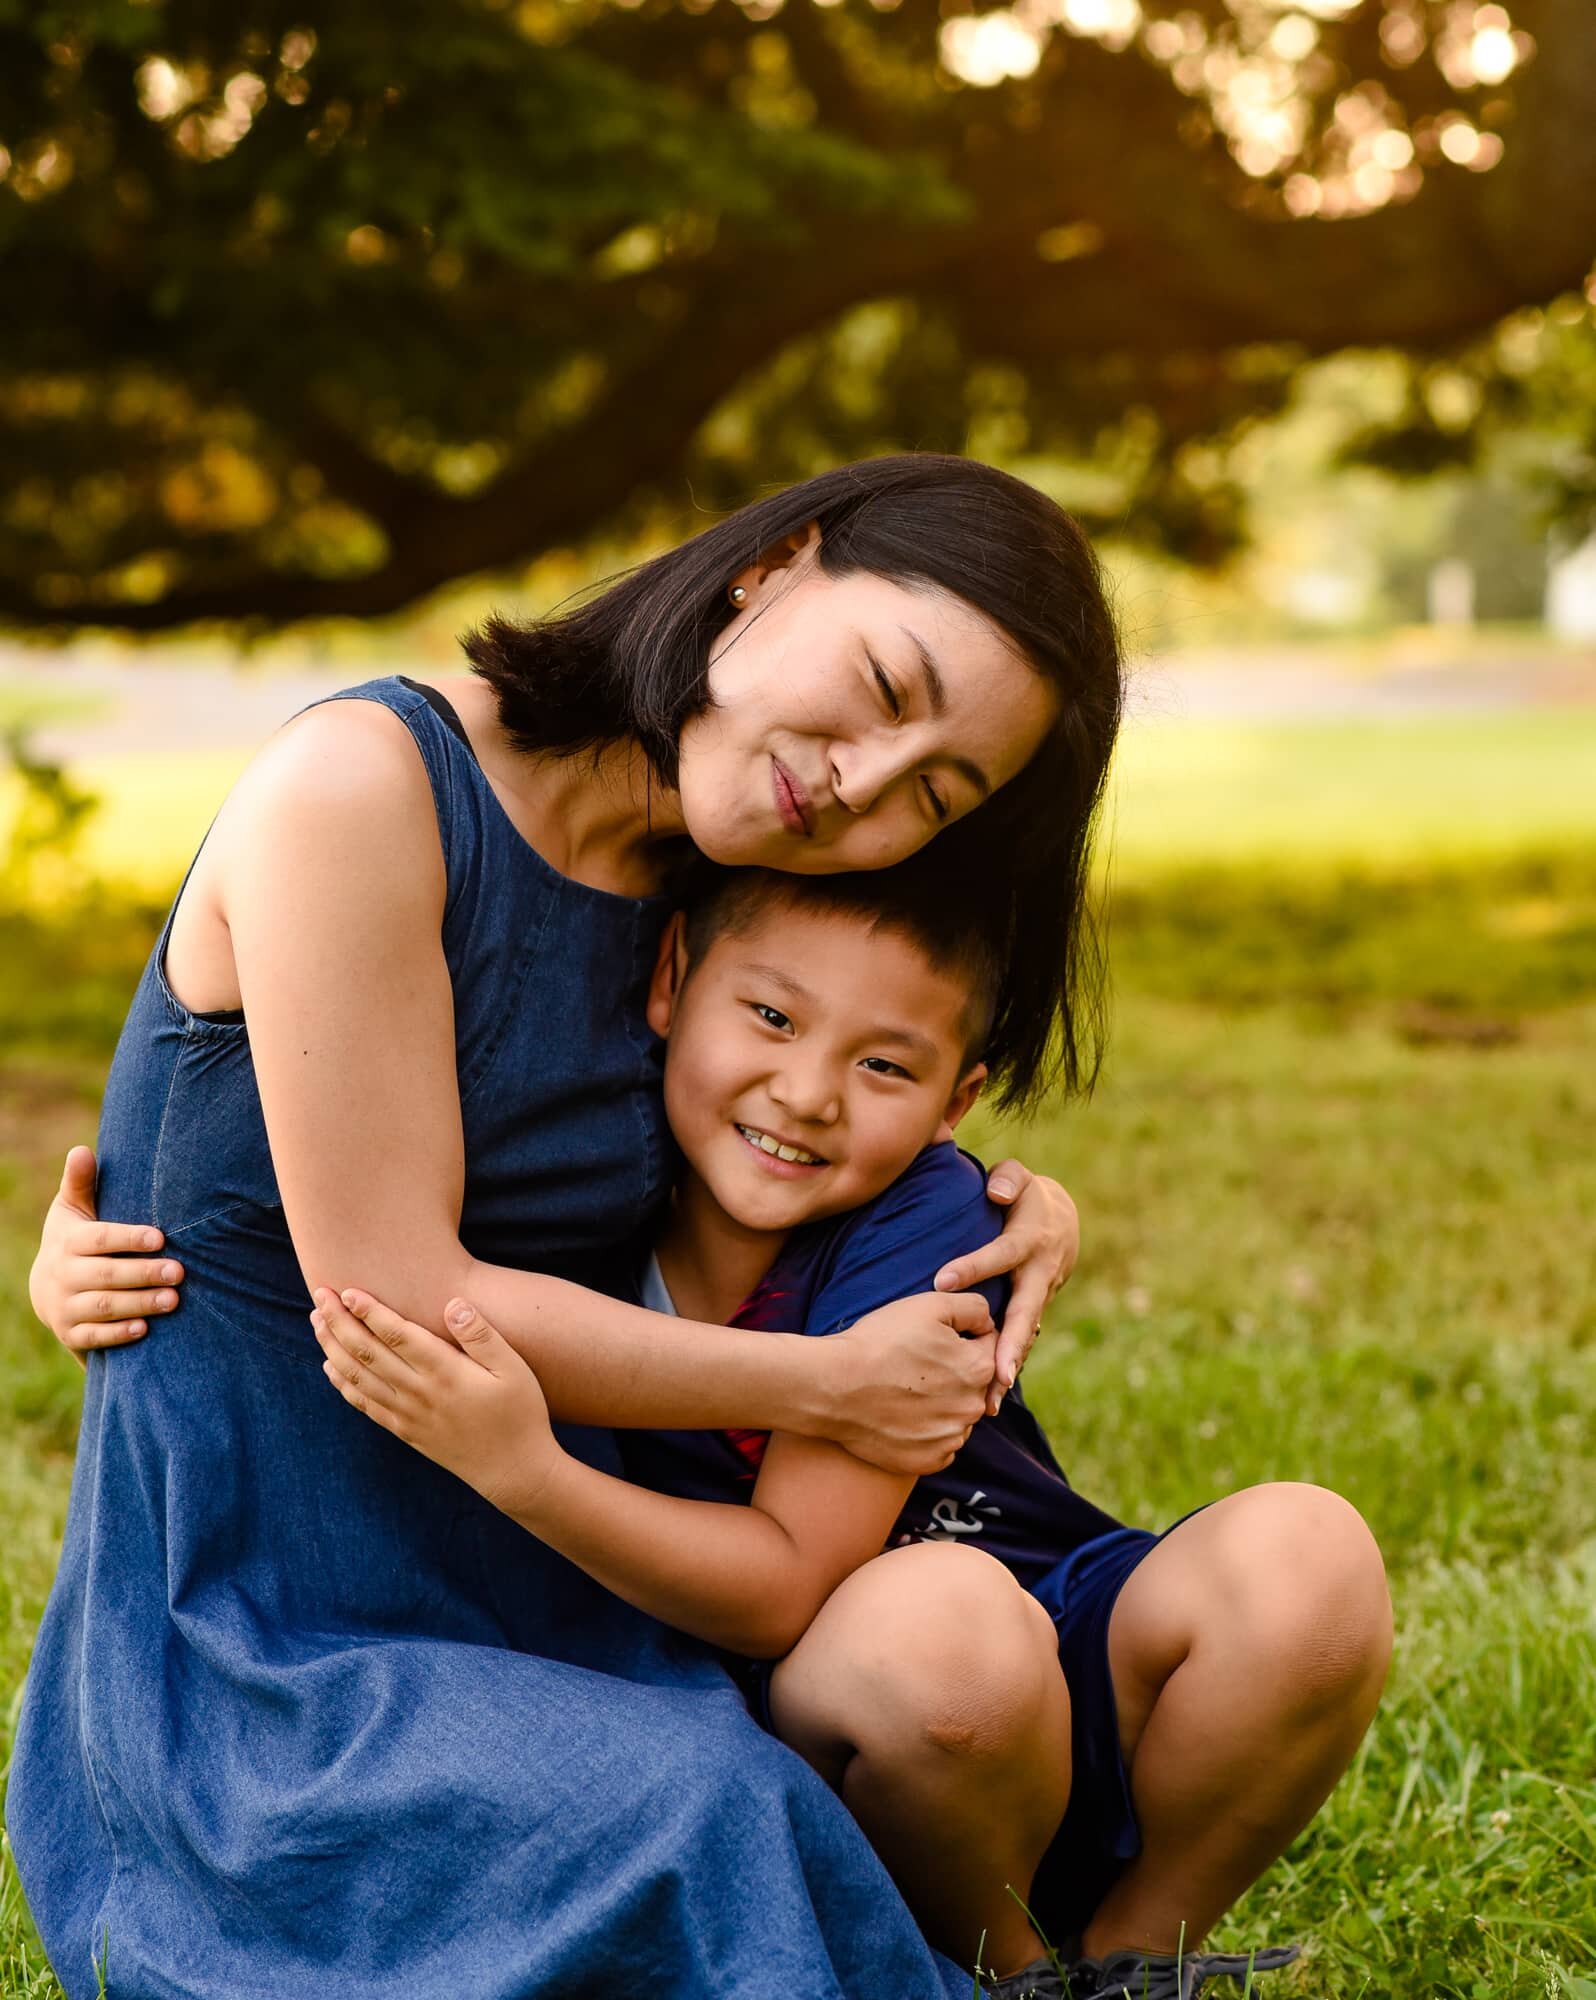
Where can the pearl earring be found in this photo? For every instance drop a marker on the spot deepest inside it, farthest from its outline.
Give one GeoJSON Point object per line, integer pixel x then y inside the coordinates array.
{"type": "Point", "coordinates": [738, 595]}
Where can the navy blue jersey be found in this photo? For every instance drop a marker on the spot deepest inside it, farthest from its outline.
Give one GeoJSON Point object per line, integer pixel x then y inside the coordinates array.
{"type": "Point", "coordinates": [1004, 1491]}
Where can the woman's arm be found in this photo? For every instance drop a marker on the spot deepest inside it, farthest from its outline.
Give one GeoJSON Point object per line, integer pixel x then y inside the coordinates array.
{"type": "Point", "coordinates": [326, 868]}
{"type": "Point", "coordinates": [750, 1578]}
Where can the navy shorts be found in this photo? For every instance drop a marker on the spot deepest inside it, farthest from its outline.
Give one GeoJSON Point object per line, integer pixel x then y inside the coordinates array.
{"type": "Point", "coordinates": [1098, 1835]}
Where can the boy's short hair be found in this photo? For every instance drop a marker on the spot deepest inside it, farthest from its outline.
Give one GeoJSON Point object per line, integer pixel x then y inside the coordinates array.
{"type": "Point", "coordinates": [955, 930]}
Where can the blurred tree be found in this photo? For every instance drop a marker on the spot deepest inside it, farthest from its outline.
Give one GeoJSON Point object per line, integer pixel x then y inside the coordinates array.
{"type": "Point", "coordinates": [312, 308]}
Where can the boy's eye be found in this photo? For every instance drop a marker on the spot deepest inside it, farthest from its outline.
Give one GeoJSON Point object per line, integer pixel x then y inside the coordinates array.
{"type": "Point", "coordinates": [773, 1017]}
{"type": "Point", "coordinates": [889, 693]}
{"type": "Point", "coordinates": [879, 1066]}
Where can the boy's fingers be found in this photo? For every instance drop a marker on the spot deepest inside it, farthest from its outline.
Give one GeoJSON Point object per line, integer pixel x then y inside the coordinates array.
{"type": "Point", "coordinates": [110, 1308]}
{"type": "Point", "coordinates": [86, 1336]}
{"type": "Point", "coordinates": [359, 1370]}
{"type": "Point", "coordinates": [477, 1337]}
{"type": "Point", "coordinates": [128, 1274]}
{"type": "Point", "coordinates": [357, 1399]}
{"type": "Point", "coordinates": [402, 1337]}
{"type": "Point", "coordinates": [77, 1181]}
{"type": "Point", "coordinates": [111, 1239]}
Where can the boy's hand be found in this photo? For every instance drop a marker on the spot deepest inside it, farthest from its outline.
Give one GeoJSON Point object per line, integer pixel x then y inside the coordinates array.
{"type": "Point", "coordinates": [469, 1403]}
{"type": "Point", "coordinates": [913, 1390]}
{"type": "Point", "coordinates": [93, 1283]}
{"type": "Point", "coordinates": [1040, 1242]}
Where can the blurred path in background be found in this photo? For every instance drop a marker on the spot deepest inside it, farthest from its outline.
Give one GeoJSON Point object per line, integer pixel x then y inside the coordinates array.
{"type": "Point", "coordinates": [1383, 752]}
{"type": "Point", "coordinates": [99, 702]}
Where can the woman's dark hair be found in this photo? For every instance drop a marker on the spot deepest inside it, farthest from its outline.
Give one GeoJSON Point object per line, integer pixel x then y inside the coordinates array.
{"type": "Point", "coordinates": [632, 660]}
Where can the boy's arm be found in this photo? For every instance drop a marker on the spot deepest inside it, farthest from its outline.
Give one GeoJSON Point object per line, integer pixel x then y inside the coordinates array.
{"type": "Point", "coordinates": [752, 1578]}
{"type": "Point", "coordinates": [749, 1578]}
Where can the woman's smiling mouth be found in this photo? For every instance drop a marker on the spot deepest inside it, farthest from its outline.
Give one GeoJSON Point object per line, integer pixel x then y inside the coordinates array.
{"type": "Point", "coordinates": [779, 1152]}
{"type": "Point", "coordinates": [792, 801]}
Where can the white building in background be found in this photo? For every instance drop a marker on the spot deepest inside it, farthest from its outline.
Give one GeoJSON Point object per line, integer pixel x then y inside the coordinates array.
{"type": "Point", "coordinates": [1450, 592]}
{"type": "Point", "coordinates": [1571, 592]}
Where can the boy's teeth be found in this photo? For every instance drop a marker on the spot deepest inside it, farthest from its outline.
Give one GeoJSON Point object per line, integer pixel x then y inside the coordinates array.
{"type": "Point", "coordinates": [766, 1144]}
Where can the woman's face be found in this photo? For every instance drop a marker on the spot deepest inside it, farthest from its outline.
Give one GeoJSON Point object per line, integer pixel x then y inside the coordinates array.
{"type": "Point", "coordinates": [852, 718]}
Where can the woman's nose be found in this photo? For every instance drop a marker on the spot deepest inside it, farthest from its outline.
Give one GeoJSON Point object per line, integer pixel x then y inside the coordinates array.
{"type": "Point", "coordinates": [863, 773]}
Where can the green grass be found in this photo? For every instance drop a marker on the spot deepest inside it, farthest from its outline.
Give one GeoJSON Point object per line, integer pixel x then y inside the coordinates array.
{"type": "Point", "coordinates": [1339, 1197]}
{"type": "Point", "coordinates": [1397, 790]}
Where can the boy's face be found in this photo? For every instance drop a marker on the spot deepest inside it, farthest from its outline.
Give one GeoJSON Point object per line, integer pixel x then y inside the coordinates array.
{"type": "Point", "coordinates": [808, 1031]}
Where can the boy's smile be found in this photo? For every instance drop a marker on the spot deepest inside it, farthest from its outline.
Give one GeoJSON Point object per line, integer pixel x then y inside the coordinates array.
{"type": "Point", "coordinates": [811, 1056]}
{"type": "Point", "coordinates": [781, 1152]}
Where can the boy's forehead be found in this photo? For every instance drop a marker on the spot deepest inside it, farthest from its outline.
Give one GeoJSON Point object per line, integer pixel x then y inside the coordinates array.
{"type": "Point", "coordinates": [847, 959]}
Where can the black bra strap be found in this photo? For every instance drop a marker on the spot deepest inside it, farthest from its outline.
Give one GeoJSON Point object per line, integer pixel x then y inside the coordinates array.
{"type": "Point", "coordinates": [441, 706]}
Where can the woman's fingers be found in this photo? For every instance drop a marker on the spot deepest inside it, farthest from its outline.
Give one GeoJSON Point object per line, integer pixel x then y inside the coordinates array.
{"type": "Point", "coordinates": [1021, 1325]}
{"type": "Point", "coordinates": [1008, 1180]}
{"type": "Point", "coordinates": [1003, 1253]}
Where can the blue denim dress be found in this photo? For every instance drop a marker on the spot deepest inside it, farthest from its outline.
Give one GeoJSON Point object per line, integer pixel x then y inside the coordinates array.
{"type": "Point", "coordinates": [306, 1718]}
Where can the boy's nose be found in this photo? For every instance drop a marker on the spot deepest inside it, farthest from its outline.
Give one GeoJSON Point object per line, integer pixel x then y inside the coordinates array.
{"type": "Point", "coordinates": [808, 1094]}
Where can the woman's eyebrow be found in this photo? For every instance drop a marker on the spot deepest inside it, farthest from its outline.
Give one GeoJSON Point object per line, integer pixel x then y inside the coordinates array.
{"type": "Point", "coordinates": [936, 694]}
{"type": "Point", "coordinates": [936, 688]}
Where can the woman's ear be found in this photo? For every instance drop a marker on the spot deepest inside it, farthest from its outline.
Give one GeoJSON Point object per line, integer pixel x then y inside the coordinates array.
{"type": "Point", "coordinates": [670, 969]}
{"type": "Point", "coordinates": [791, 551]}
{"type": "Point", "coordinates": [965, 1092]}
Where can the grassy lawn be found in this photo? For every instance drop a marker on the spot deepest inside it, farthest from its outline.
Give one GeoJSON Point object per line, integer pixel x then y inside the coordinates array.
{"type": "Point", "coordinates": [1339, 1195]}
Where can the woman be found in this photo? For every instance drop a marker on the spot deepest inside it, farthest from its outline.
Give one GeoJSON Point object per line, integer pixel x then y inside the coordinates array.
{"type": "Point", "coordinates": [304, 1715]}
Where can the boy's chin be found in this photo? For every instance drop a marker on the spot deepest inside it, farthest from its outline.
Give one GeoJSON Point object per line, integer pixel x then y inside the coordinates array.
{"type": "Point", "coordinates": [785, 1210]}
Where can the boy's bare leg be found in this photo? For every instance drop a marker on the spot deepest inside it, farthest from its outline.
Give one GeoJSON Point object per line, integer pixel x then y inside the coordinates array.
{"type": "Point", "coordinates": [928, 1693]}
{"type": "Point", "coordinates": [1248, 1652]}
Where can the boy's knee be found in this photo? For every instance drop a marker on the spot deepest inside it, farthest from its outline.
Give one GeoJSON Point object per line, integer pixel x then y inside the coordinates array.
{"type": "Point", "coordinates": [1305, 1573]}
{"type": "Point", "coordinates": [942, 1654]}
{"type": "Point", "coordinates": [978, 1663]}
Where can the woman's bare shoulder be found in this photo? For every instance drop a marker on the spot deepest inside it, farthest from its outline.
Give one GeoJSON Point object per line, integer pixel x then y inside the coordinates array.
{"type": "Point", "coordinates": [345, 780]}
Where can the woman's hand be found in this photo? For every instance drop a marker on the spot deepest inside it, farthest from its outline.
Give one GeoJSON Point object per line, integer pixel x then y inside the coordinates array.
{"type": "Point", "coordinates": [911, 1390]}
{"type": "Point", "coordinates": [469, 1403]}
{"type": "Point", "coordinates": [1040, 1242]}
{"type": "Point", "coordinates": [93, 1283]}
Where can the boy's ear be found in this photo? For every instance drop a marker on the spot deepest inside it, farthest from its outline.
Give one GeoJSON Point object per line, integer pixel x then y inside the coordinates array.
{"type": "Point", "coordinates": [670, 969]}
{"type": "Point", "coordinates": [965, 1092]}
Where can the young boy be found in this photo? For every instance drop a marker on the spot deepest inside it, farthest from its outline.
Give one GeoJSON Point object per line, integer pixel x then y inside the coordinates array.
{"type": "Point", "coordinates": [823, 1037]}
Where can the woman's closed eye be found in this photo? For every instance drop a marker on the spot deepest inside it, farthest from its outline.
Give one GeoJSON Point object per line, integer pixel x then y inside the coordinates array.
{"type": "Point", "coordinates": [892, 700]}
{"type": "Point", "coordinates": [939, 804]}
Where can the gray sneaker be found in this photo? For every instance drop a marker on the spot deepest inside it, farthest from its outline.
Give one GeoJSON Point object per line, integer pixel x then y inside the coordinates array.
{"type": "Point", "coordinates": [1142, 1975]}
{"type": "Point", "coordinates": [1040, 1980]}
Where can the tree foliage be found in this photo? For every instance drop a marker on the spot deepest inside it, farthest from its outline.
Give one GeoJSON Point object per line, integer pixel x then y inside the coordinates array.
{"type": "Point", "coordinates": [315, 305]}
